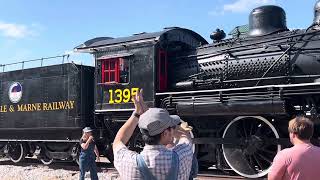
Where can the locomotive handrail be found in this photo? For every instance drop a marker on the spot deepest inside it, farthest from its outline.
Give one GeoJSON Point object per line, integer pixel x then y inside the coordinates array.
{"type": "Point", "coordinates": [269, 78]}
{"type": "Point", "coordinates": [219, 52]}
{"type": "Point", "coordinates": [34, 60]}
{"type": "Point", "coordinates": [266, 41]}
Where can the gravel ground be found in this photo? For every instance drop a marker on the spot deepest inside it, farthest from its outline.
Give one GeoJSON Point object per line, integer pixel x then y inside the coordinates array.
{"type": "Point", "coordinates": [32, 169]}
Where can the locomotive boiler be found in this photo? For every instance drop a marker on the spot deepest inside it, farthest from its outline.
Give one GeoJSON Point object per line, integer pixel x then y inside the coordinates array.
{"type": "Point", "coordinates": [238, 93]}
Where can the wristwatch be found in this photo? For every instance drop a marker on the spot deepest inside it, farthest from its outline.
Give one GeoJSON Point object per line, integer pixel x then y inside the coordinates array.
{"type": "Point", "coordinates": [136, 115]}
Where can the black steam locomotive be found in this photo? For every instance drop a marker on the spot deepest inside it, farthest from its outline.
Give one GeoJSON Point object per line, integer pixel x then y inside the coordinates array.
{"type": "Point", "coordinates": [237, 93]}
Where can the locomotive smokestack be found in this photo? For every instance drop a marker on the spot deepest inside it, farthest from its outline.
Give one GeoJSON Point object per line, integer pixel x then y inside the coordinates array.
{"type": "Point", "coordinates": [316, 19]}
{"type": "Point", "coordinates": [266, 20]}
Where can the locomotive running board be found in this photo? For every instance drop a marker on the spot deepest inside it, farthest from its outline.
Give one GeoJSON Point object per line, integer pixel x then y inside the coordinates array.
{"type": "Point", "coordinates": [239, 89]}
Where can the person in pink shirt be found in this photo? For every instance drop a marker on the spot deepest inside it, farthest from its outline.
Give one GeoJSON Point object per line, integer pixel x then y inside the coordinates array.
{"type": "Point", "coordinates": [302, 161]}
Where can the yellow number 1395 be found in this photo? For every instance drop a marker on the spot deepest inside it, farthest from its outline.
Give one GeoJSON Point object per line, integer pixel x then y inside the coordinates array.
{"type": "Point", "coordinates": [121, 95]}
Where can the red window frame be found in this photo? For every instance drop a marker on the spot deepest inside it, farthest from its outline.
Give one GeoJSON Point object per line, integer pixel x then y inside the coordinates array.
{"type": "Point", "coordinates": [110, 67]}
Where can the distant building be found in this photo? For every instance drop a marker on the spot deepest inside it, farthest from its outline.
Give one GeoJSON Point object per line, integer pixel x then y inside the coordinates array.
{"type": "Point", "coordinates": [239, 31]}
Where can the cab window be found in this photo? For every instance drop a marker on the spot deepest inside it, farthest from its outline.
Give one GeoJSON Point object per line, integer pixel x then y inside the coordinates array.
{"type": "Point", "coordinates": [115, 70]}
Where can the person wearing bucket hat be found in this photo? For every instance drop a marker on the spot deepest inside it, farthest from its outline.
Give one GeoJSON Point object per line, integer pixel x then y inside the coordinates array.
{"type": "Point", "coordinates": [156, 161]}
{"type": "Point", "coordinates": [88, 154]}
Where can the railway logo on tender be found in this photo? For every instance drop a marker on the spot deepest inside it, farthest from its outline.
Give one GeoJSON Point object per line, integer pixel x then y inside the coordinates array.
{"type": "Point", "coordinates": [15, 92]}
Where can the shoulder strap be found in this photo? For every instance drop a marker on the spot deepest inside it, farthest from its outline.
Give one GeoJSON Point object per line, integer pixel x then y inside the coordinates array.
{"type": "Point", "coordinates": [173, 173]}
{"type": "Point", "coordinates": [194, 168]}
{"type": "Point", "coordinates": [143, 168]}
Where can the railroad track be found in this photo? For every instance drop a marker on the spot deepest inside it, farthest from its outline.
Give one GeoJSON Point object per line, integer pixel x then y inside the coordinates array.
{"type": "Point", "coordinates": [207, 176]}
{"type": "Point", "coordinates": [216, 174]}
{"type": "Point", "coordinates": [104, 167]}
{"type": "Point", "coordinates": [221, 175]}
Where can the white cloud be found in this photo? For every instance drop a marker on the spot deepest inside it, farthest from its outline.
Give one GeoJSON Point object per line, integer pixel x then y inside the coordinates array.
{"type": "Point", "coordinates": [240, 6]}
{"type": "Point", "coordinates": [216, 12]}
{"type": "Point", "coordinates": [245, 5]}
{"type": "Point", "coordinates": [12, 30]}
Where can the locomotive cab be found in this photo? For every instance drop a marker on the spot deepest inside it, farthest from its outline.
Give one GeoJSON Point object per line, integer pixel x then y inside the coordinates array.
{"type": "Point", "coordinates": [126, 65]}
{"type": "Point", "coordinates": [122, 63]}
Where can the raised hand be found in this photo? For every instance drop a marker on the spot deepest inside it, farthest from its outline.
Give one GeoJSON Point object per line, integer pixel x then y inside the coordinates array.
{"type": "Point", "coordinates": [139, 104]}
{"type": "Point", "coordinates": [90, 139]}
{"type": "Point", "coordinates": [182, 129]}
{"type": "Point", "coordinates": [184, 126]}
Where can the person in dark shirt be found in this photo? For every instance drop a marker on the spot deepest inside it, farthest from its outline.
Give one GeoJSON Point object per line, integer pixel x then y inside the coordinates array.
{"type": "Point", "coordinates": [88, 154]}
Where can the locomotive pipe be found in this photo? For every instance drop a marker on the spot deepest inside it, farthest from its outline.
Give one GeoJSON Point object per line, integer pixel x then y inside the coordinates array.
{"type": "Point", "coordinates": [231, 108]}
{"type": "Point", "coordinates": [185, 85]}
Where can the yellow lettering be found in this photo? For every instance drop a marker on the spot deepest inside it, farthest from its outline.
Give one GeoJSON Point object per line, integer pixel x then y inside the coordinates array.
{"type": "Point", "coordinates": [49, 106]}
{"type": "Point", "coordinates": [38, 107]}
{"type": "Point", "coordinates": [134, 91]}
{"type": "Point", "coordinates": [44, 106]}
{"type": "Point", "coordinates": [55, 105]}
{"type": "Point", "coordinates": [22, 107]}
{"type": "Point", "coordinates": [111, 101]}
{"type": "Point", "coordinates": [126, 95]}
{"type": "Point", "coordinates": [29, 107]}
{"type": "Point", "coordinates": [11, 108]}
{"type": "Point", "coordinates": [25, 107]}
{"type": "Point", "coordinates": [34, 107]}
{"type": "Point", "coordinates": [71, 104]}
{"type": "Point", "coordinates": [61, 105]}
{"type": "Point", "coordinates": [67, 105]}
{"type": "Point", "coordinates": [3, 108]}
{"type": "Point", "coordinates": [19, 107]}
{"type": "Point", "coordinates": [118, 93]}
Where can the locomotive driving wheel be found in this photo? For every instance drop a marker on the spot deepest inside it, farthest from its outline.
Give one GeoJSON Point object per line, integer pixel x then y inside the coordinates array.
{"type": "Point", "coordinates": [17, 152]}
{"type": "Point", "coordinates": [253, 157]}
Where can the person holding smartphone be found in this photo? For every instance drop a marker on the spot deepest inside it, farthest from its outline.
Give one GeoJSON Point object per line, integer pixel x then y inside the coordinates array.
{"type": "Point", "coordinates": [88, 155]}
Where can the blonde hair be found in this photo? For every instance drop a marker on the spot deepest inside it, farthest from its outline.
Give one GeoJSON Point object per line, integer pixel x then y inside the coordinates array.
{"type": "Point", "coordinates": [302, 127]}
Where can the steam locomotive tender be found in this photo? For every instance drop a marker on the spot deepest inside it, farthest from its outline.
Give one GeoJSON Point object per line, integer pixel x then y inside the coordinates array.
{"type": "Point", "coordinates": [43, 111]}
{"type": "Point", "coordinates": [237, 93]}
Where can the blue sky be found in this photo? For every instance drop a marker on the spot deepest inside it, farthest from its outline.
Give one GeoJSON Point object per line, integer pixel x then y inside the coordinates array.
{"type": "Point", "coordinates": [40, 28]}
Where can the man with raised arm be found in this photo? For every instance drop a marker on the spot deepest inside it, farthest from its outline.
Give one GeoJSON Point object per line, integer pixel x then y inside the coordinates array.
{"type": "Point", "coordinates": [158, 130]}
